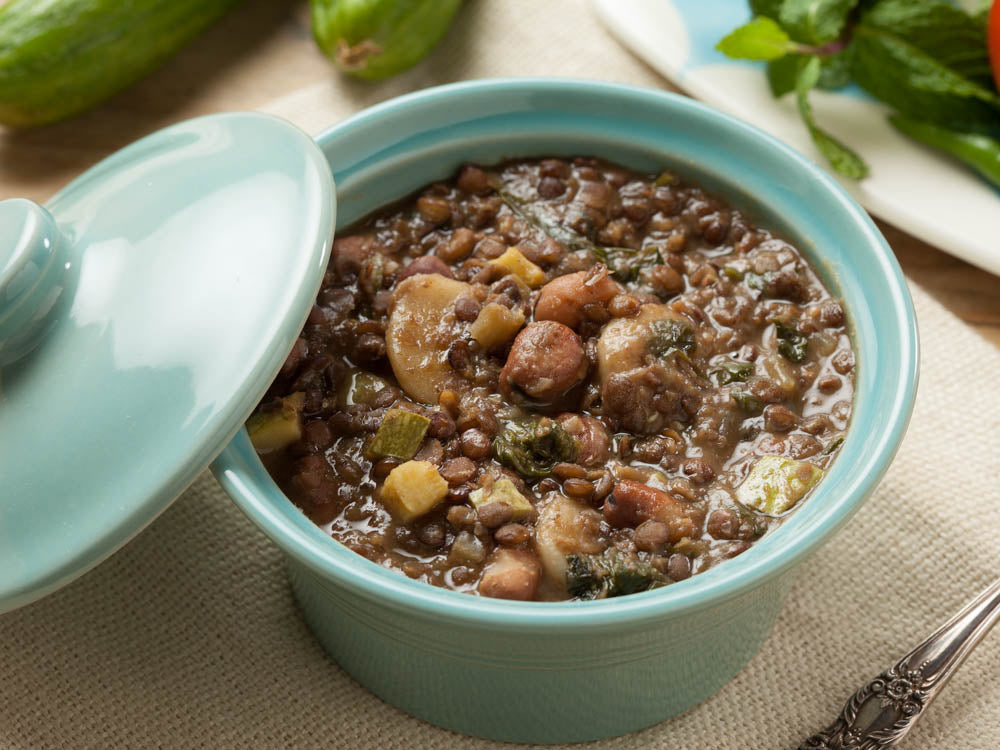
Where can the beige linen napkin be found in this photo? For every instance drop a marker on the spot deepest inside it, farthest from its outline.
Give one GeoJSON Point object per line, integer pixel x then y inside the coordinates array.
{"type": "Point", "coordinates": [189, 638]}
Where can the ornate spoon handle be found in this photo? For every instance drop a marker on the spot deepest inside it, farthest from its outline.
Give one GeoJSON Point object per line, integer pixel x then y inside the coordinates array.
{"type": "Point", "coordinates": [883, 711]}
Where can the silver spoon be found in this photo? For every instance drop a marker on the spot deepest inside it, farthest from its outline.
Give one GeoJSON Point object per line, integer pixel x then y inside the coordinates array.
{"type": "Point", "coordinates": [884, 710]}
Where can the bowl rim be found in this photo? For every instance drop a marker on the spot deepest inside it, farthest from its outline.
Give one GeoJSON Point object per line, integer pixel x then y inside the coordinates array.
{"type": "Point", "coordinates": [236, 471]}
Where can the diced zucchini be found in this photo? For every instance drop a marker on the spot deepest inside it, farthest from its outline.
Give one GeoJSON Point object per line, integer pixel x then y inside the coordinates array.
{"type": "Point", "coordinates": [733, 273]}
{"type": "Point", "coordinates": [666, 178]}
{"type": "Point", "coordinates": [399, 435]}
{"type": "Point", "coordinates": [503, 491]}
{"type": "Point", "coordinates": [412, 489]}
{"type": "Point", "coordinates": [274, 429]}
{"type": "Point", "coordinates": [359, 387]}
{"type": "Point", "coordinates": [776, 484]}
{"type": "Point", "coordinates": [496, 325]}
{"type": "Point", "coordinates": [690, 547]}
{"type": "Point", "coordinates": [513, 261]}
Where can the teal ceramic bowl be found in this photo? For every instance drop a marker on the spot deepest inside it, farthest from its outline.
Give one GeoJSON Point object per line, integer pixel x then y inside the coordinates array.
{"type": "Point", "coordinates": [557, 672]}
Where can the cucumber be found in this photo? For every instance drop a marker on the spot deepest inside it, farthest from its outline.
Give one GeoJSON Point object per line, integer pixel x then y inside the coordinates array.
{"type": "Point", "coordinates": [60, 57]}
{"type": "Point", "coordinates": [373, 39]}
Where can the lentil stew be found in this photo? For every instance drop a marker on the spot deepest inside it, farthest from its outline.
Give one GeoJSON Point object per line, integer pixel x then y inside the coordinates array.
{"type": "Point", "coordinates": [558, 378]}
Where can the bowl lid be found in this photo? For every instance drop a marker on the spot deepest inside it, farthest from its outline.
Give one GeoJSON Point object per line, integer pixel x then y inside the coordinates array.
{"type": "Point", "coordinates": [143, 314]}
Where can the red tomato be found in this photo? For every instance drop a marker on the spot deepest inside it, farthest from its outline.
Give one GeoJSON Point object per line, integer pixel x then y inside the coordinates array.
{"type": "Point", "coordinates": [993, 40]}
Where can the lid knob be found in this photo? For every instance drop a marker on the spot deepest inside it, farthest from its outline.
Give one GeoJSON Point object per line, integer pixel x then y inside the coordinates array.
{"type": "Point", "coordinates": [32, 271]}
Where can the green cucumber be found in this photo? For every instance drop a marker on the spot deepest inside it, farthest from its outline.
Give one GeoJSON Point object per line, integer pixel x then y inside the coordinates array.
{"type": "Point", "coordinates": [61, 57]}
{"type": "Point", "coordinates": [375, 39]}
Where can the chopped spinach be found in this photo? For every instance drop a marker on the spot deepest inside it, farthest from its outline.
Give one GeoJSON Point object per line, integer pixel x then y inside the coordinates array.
{"type": "Point", "coordinates": [748, 402]}
{"type": "Point", "coordinates": [610, 573]}
{"type": "Point", "coordinates": [832, 446]}
{"type": "Point", "coordinates": [671, 335]}
{"type": "Point", "coordinates": [532, 447]}
{"type": "Point", "coordinates": [543, 222]}
{"type": "Point", "coordinates": [625, 264]}
{"type": "Point", "coordinates": [792, 345]}
{"type": "Point", "coordinates": [754, 524]}
{"type": "Point", "coordinates": [731, 371]}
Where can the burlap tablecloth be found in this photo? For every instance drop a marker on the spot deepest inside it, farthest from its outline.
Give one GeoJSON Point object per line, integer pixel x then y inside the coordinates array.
{"type": "Point", "coordinates": [189, 638]}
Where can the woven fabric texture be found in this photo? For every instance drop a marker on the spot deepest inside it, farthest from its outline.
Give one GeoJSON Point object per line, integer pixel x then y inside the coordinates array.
{"type": "Point", "coordinates": [189, 637]}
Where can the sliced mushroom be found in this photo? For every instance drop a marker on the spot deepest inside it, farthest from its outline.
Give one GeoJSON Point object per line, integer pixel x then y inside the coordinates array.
{"type": "Point", "coordinates": [421, 328]}
{"type": "Point", "coordinates": [646, 376]}
{"type": "Point", "coordinates": [628, 343]}
{"type": "Point", "coordinates": [565, 527]}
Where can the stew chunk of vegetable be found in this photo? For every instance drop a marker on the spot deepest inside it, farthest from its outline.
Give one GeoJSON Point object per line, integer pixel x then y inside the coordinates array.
{"type": "Point", "coordinates": [776, 484]}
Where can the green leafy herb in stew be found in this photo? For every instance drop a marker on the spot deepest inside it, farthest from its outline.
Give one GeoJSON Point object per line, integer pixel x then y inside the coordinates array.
{"type": "Point", "coordinates": [558, 379]}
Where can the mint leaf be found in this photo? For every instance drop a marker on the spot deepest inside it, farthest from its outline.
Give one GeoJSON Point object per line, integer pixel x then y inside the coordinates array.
{"type": "Point", "coordinates": [980, 152]}
{"type": "Point", "coordinates": [769, 8]}
{"type": "Point", "coordinates": [835, 70]}
{"type": "Point", "coordinates": [938, 28]}
{"type": "Point", "coordinates": [815, 21]}
{"type": "Point", "coordinates": [783, 73]}
{"type": "Point", "coordinates": [913, 82]}
{"type": "Point", "coordinates": [841, 158]}
{"type": "Point", "coordinates": [761, 39]}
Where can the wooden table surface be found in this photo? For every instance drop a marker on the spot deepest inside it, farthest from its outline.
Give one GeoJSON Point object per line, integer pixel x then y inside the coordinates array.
{"type": "Point", "coordinates": [264, 51]}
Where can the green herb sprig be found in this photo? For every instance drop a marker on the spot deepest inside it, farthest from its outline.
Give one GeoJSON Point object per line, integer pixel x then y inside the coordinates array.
{"type": "Point", "coordinates": [925, 59]}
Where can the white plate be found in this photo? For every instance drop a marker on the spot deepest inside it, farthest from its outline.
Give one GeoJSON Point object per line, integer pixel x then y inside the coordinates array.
{"type": "Point", "coordinates": [917, 189]}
